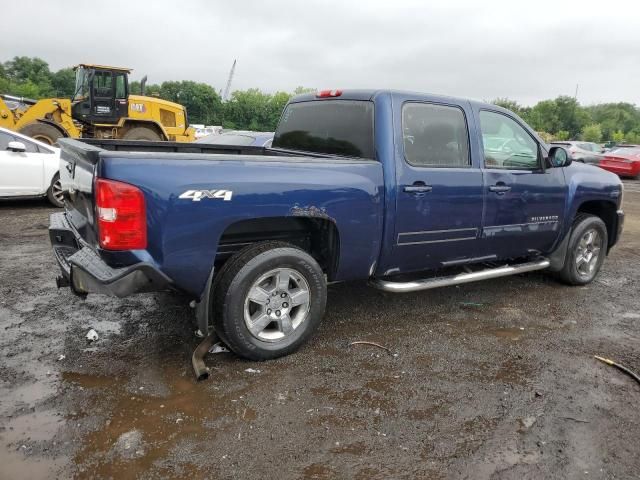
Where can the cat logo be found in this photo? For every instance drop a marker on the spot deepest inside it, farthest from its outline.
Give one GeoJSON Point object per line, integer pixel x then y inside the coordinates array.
{"type": "Point", "coordinates": [197, 195]}
{"type": "Point", "coordinates": [138, 107]}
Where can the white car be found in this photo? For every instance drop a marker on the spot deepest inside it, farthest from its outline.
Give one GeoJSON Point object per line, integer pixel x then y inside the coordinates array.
{"type": "Point", "coordinates": [29, 168]}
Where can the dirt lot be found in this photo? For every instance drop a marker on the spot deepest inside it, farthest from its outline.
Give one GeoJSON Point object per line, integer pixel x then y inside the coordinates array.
{"type": "Point", "coordinates": [490, 380]}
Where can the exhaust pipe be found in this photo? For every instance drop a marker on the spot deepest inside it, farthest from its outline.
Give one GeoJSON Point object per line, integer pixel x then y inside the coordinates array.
{"type": "Point", "coordinates": [429, 283]}
{"type": "Point", "coordinates": [197, 359]}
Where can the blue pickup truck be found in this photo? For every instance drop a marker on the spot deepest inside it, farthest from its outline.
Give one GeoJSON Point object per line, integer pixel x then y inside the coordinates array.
{"type": "Point", "coordinates": [407, 190]}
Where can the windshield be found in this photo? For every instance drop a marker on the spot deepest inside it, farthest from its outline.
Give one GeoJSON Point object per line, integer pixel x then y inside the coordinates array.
{"type": "Point", "coordinates": [335, 127]}
{"type": "Point", "coordinates": [82, 85]}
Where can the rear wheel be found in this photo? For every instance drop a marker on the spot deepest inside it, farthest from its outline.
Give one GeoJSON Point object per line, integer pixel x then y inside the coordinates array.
{"type": "Point", "coordinates": [586, 251]}
{"type": "Point", "coordinates": [43, 132]}
{"type": "Point", "coordinates": [269, 300]}
{"type": "Point", "coordinates": [54, 193]}
{"type": "Point", "coordinates": [142, 133]}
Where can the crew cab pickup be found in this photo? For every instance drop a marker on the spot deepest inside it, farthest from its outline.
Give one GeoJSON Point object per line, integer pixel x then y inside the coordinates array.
{"type": "Point", "coordinates": [406, 190]}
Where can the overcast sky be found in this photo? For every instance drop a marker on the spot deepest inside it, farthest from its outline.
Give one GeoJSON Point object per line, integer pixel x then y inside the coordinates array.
{"type": "Point", "coordinates": [527, 51]}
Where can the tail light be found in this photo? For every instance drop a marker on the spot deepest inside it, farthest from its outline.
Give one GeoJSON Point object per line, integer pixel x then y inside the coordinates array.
{"type": "Point", "coordinates": [328, 93]}
{"type": "Point", "coordinates": [121, 213]}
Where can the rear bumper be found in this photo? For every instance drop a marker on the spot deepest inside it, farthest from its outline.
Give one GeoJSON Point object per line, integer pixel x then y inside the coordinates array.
{"type": "Point", "coordinates": [85, 272]}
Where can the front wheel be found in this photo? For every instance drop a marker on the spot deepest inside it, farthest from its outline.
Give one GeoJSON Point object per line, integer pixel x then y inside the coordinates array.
{"type": "Point", "coordinates": [586, 251]}
{"type": "Point", "coordinates": [268, 300]}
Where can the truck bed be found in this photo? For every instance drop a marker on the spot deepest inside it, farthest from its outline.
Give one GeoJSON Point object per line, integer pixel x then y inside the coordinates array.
{"type": "Point", "coordinates": [262, 185]}
{"type": "Point", "coordinates": [174, 147]}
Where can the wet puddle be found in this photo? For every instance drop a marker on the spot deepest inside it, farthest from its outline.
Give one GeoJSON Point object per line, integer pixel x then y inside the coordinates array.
{"type": "Point", "coordinates": [141, 430]}
{"type": "Point", "coordinates": [513, 333]}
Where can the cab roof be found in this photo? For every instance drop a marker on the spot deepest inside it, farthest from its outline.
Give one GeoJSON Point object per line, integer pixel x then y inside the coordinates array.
{"type": "Point", "coordinates": [102, 67]}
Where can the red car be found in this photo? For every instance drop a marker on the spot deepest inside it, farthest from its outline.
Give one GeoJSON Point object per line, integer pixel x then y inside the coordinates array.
{"type": "Point", "coordinates": [624, 161]}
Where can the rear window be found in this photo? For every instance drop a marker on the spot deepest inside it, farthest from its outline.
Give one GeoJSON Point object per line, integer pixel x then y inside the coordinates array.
{"type": "Point", "coordinates": [335, 127]}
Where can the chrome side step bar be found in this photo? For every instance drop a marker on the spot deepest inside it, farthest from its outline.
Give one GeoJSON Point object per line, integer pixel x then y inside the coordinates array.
{"type": "Point", "coordinates": [428, 283]}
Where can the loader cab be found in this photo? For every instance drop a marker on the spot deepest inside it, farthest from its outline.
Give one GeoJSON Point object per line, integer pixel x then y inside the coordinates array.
{"type": "Point", "coordinates": [101, 94]}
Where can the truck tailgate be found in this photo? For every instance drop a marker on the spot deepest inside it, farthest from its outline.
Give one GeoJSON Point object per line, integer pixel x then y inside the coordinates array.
{"type": "Point", "coordinates": [78, 163]}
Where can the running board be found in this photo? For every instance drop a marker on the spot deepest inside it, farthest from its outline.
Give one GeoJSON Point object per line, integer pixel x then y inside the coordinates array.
{"type": "Point", "coordinates": [428, 283]}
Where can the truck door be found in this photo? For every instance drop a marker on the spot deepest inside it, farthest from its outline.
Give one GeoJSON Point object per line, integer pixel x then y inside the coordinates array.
{"type": "Point", "coordinates": [439, 188]}
{"type": "Point", "coordinates": [524, 202]}
{"type": "Point", "coordinates": [103, 98]}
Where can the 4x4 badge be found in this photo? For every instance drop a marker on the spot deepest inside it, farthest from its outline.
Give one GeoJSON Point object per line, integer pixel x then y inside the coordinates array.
{"type": "Point", "coordinates": [197, 195]}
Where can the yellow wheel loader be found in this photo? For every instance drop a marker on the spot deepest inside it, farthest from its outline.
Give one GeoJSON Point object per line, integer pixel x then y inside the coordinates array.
{"type": "Point", "coordinates": [101, 107]}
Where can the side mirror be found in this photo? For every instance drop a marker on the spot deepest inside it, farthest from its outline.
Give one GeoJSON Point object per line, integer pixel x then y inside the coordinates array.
{"type": "Point", "coordinates": [16, 147]}
{"type": "Point", "coordinates": [559, 157]}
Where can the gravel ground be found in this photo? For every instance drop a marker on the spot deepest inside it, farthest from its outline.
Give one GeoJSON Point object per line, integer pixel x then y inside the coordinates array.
{"type": "Point", "coordinates": [488, 380]}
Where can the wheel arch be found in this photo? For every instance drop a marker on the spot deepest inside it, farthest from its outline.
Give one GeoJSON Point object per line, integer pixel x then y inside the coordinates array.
{"type": "Point", "coordinates": [317, 236]}
{"type": "Point", "coordinates": [606, 211]}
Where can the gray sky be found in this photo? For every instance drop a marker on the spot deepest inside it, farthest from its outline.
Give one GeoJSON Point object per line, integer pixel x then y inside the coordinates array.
{"type": "Point", "coordinates": [527, 51]}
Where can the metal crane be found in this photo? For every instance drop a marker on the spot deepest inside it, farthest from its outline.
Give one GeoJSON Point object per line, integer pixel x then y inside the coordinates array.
{"type": "Point", "coordinates": [227, 89]}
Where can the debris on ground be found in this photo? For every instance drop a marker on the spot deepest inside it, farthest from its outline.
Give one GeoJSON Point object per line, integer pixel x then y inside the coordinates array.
{"type": "Point", "coordinates": [251, 370]}
{"type": "Point", "coordinates": [129, 445]}
{"type": "Point", "coordinates": [573, 419]}
{"type": "Point", "coordinates": [218, 348]}
{"type": "Point", "coordinates": [92, 335]}
{"type": "Point", "coordinates": [373, 344]}
{"type": "Point", "coordinates": [622, 368]}
{"type": "Point", "coordinates": [527, 422]}
{"type": "Point", "coordinates": [61, 357]}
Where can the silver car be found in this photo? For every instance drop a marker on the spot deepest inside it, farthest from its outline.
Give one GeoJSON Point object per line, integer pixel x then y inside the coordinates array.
{"type": "Point", "coordinates": [585, 152]}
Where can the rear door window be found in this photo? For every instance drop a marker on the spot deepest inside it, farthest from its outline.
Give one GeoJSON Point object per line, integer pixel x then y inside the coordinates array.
{"type": "Point", "coordinates": [335, 127]}
{"type": "Point", "coordinates": [435, 135]}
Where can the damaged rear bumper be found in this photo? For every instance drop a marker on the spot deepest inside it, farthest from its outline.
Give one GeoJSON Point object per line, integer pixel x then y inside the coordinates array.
{"type": "Point", "coordinates": [85, 272]}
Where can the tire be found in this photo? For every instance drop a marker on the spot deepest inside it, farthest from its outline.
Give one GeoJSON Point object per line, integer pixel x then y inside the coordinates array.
{"type": "Point", "coordinates": [249, 292]}
{"type": "Point", "coordinates": [54, 192]}
{"type": "Point", "coordinates": [585, 253]}
{"type": "Point", "coordinates": [142, 133]}
{"type": "Point", "coordinates": [43, 132]}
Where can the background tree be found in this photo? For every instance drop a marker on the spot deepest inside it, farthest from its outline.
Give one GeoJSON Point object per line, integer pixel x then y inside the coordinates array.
{"type": "Point", "coordinates": [202, 102]}
{"type": "Point", "coordinates": [592, 133]}
{"type": "Point", "coordinates": [63, 83]}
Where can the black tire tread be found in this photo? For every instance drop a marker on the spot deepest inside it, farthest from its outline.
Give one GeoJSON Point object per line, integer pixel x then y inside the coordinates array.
{"type": "Point", "coordinates": [565, 274]}
{"type": "Point", "coordinates": [222, 283]}
{"type": "Point", "coordinates": [142, 133]}
{"type": "Point", "coordinates": [43, 129]}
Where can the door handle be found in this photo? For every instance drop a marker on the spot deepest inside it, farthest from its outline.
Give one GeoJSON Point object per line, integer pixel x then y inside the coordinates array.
{"type": "Point", "coordinates": [417, 188]}
{"type": "Point", "coordinates": [500, 189]}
